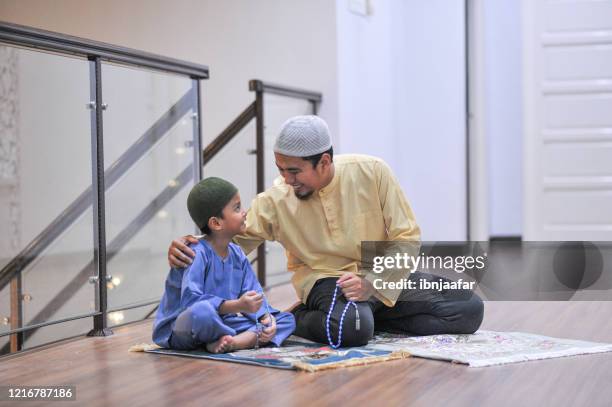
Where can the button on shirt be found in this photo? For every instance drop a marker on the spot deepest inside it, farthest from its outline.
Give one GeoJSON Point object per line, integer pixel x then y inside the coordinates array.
{"type": "Point", "coordinates": [322, 235]}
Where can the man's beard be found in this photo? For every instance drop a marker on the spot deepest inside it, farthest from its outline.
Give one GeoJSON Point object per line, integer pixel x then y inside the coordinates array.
{"type": "Point", "coordinates": [303, 197]}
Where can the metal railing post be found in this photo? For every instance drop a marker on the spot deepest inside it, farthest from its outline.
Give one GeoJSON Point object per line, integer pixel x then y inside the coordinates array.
{"type": "Point", "coordinates": [16, 341]}
{"type": "Point", "coordinates": [97, 159]}
{"type": "Point", "coordinates": [259, 146]}
{"type": "Point", "coordinates": [314, 105]}
{"type": "Point", "coordinates": [197, 131]}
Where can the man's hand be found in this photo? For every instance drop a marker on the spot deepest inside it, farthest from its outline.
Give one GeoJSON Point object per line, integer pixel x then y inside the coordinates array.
{"type": "Point", "coordinates": [267, 334]}
{"type": "Point", "coordinates": [250, 302]}
{"type": "Point", "coordinates": [355, 288]}
{"type": "Point", "coordinates": [179, 254]}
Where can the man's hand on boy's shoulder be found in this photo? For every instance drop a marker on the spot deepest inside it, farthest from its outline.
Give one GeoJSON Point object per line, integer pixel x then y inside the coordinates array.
{"type": "Point", "coordinates": [179, 253]}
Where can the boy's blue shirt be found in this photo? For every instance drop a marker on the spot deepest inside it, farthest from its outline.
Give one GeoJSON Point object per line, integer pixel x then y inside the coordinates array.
{"type": "Point", "coordinates": [209, 278]}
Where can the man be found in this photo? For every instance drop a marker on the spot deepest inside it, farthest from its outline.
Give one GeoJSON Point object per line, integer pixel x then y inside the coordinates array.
{"type": "Point", "coordinates": [321, 209]}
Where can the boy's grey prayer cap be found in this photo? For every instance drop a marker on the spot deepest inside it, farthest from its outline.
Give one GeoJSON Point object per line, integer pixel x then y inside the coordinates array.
{"type": "Point", "coordinates": [303, 136]}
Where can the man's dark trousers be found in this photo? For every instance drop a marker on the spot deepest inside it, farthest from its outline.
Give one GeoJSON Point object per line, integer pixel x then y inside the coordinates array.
{"type": "Point", "coordinates": [417, 312]}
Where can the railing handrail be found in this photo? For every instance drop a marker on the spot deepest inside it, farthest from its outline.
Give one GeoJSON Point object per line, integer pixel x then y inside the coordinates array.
{"type": "Point", "coordinates": [229, 133]}
{"type": "Point", "coordinates": [258, 85]}
{"type": "Point", "coordinates": [53, 41]}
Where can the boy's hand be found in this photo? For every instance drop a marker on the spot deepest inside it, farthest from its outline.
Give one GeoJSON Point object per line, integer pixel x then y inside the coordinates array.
{"type": "Point", "coordinates": [250, 302]}
{"type": "Point", "coordinates": [179, 254]}
{"type": "Point", "coordinates": [267, 334]}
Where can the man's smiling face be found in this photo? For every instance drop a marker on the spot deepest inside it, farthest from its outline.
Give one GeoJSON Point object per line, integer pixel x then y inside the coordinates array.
{"type": "Point", "coordinates": [300, 174]}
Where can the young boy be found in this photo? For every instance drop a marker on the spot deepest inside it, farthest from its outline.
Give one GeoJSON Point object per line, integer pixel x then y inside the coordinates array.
{"type": "Point", "coordinates": [217, 301]}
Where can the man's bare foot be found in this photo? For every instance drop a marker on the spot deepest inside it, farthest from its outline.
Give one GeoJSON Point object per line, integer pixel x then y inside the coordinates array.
{"type": "Point", "coordinates": [221, 345]}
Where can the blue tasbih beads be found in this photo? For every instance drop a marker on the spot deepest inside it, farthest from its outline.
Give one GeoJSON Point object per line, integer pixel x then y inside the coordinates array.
{"type": "Point", "coordinates": [259, 327]}
{"type": "Point", "coordinates": [346, 307]}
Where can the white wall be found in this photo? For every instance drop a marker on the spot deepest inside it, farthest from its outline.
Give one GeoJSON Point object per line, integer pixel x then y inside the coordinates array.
{"type": "Point", "coordinates": [402, 97]}
{"type": "Point", "coordinates": [503, 87]}
{"type": "Point", "coordinates": [366, 81]}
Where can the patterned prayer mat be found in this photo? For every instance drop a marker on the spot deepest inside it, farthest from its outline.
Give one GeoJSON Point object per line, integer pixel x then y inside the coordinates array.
{"type": "Point", "coordinates": [484, 348]}
{"type": "Point", "coordinates": [308, 356]}
{"type": "Point", "coordinates": [487, 348]}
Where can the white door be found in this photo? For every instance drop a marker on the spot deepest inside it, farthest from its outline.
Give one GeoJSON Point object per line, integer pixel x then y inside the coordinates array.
{"type": "Point", "coordinates": [567, 120]}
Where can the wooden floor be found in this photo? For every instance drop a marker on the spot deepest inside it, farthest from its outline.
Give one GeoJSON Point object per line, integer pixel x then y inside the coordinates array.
{"type": "Point", "coordinates": [106, 374]}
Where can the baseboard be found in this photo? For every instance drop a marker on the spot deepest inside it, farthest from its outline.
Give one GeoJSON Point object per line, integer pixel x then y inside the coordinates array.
{"type": "Point", "coordinates": [509, 238]}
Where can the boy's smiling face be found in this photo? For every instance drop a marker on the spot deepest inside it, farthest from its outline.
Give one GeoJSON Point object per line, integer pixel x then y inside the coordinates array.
{"type": "Point", "coordinates": [234, 217]}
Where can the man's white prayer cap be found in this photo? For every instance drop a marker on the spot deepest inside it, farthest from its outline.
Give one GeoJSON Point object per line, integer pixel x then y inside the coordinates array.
{"type": "Point", "coordinates": [303, 136]}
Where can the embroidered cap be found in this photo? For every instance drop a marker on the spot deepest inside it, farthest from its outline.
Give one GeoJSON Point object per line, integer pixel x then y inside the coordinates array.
{"type": "Point", "coordinates": [303, 136]}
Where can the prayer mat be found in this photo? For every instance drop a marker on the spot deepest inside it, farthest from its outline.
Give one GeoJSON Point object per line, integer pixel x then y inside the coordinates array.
{"type": "Point", "coordinates": [481, 349]}
{"type": "Point", "coordinates": [304, 355]}
{"type": "Point", "coordinates": [486, 348]}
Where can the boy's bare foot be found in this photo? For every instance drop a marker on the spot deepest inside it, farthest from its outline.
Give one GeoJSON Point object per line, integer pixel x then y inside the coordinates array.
{"type": "Point", "coordinates": [228, 343]}
{"type": "Point", "coordinates": [245, 340]}
{"type": "Point", "coordinates": [221, 345]}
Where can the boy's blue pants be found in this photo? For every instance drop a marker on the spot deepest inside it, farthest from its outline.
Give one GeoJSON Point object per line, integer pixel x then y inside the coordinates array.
{"type": "Point", "coordinates": [201, 324]}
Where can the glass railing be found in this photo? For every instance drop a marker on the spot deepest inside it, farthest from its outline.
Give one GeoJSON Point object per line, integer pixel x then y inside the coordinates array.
{"type": "Point", "coordinates": [277, 109]}
{"type": "Point", "coordinates": [147, 204]}
{"type": "Point", "coordinates": [279, 102]}
{"type": "Point", "coordinates": [236, 162]}
{"type": "Point", "coordinates": [48, 168]}
{"type": "Point", "coordinates": [100, 146]}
